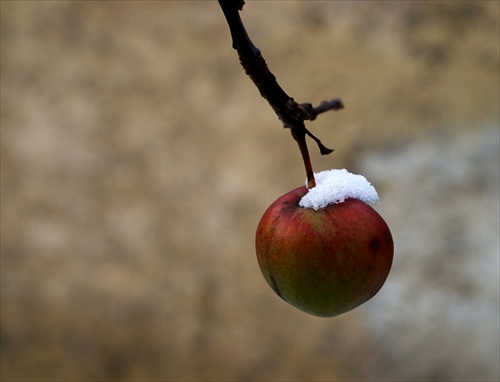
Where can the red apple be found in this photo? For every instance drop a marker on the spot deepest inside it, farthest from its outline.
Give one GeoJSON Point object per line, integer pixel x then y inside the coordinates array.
{"type": "Point", "coordinates": [324, 262]}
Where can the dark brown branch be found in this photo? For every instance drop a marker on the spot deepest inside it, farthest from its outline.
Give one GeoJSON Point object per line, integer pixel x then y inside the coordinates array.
{"type": "Point", "coordinates": [291, 114]}
{"type": "Point", "coordinates": [288, 111]}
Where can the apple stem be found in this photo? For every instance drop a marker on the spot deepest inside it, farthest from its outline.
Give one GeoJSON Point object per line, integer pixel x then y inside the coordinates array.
{"type": "Point", "coordinates": [300, 138]}
{"type": "Point", "coordinates": [289, 112]}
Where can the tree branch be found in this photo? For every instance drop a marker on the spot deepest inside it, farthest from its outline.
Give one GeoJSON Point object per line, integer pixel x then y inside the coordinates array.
{"type": "Point", "coordinates": [290, 113]}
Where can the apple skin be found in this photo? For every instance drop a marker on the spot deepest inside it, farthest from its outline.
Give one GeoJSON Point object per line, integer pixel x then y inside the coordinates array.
{"type": "Point", "coordinates": [324, 262]}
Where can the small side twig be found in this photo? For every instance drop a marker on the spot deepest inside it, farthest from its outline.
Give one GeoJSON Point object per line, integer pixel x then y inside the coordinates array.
{"type": "Point", "coordinates": [291, 113]}
{"type": "Point", "coordinates": [333, 104]}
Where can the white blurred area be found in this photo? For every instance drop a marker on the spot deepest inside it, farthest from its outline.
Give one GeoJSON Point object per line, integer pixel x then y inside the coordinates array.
{"type": "Point", "coordinates": [442, 299]}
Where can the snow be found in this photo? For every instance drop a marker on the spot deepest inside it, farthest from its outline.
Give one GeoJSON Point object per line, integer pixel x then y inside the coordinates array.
{"type": "Point", "coordinates": [335, 186]}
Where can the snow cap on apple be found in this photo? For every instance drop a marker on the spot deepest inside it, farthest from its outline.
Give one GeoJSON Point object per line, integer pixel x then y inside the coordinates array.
{"type": "Point", "coordinates": [325, 250]}
{"type": "Point", "coordinates": [335, 186]}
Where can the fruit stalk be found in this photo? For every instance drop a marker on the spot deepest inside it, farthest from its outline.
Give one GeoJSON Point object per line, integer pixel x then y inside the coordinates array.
{"type": "Point", "coordinates": [300, 138]}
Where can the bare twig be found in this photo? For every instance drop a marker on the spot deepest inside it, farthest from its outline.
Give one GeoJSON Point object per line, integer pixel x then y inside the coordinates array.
{"type": "Point", "coordinates": [333, 104]}
{"type": "Point", "coordinates": [291, 113]}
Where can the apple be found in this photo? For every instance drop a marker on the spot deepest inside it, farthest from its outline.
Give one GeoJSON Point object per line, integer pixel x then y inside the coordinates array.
{"type": "Point", "coordinates": [324, 262]}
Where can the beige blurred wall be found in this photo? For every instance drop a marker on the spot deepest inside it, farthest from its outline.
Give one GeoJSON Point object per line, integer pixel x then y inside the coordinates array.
{"type": "Point", "coordinates": [137, 159]}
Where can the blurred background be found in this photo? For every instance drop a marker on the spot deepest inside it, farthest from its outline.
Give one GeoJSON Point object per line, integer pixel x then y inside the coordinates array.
{"type": "Point", "coordinates": [137, 159]}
